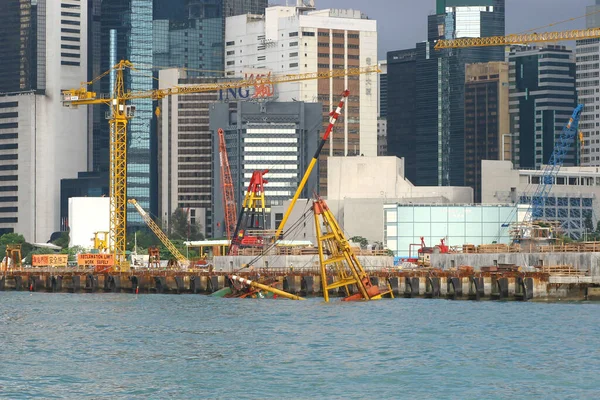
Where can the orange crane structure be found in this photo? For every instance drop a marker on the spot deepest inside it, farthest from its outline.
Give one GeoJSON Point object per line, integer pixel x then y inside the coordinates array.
{"type": "Point", "coordinates": [227, 187]}
{"type": "Point", "coordinates": [121, 112]}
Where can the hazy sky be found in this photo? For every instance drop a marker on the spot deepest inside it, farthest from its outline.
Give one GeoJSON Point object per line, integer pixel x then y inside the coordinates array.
{"type": "Point", "coordinates": [402, 23]}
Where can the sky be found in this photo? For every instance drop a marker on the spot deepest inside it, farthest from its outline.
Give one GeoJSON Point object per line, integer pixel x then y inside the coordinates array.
{"type": "Point", "coordinates": [402, 23]}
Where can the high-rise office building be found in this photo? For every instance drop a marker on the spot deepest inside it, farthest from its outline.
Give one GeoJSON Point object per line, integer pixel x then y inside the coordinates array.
{"type": "Point", "coordinates": [382, 86]}
{"type": "Point", "coordinates": [439, 115]}
{"type": "Point", "coordinates": [542, 99]}
{"type": "Point", "coordinates": [280, 137]}
{"type": "Point", "coordinates": [154, 34]}
{"type": "Point", "coordinates": [185, 151]}
{"type": "Point", "coordinates": [43, 51]}
{"type": "Point", "coordinates": [588, 87]}
{"type": "Point", "coordinates": [401, 103]}
{"type": "Point", "coordinates": [300, 39]}
{"type": "Point", "coordinates": [486, 119]}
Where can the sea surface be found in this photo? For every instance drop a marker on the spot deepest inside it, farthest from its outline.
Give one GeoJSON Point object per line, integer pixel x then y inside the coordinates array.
{"type": "Point", "coordinates": [106, 346]}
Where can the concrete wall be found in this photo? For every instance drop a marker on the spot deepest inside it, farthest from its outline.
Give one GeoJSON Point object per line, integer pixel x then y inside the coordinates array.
{"type": "Point", "coordinates": [383, 177]}
{"type": "Point", "coordinates": [229, 264]}
{"type": "Point", "coordinates": [582, 261]}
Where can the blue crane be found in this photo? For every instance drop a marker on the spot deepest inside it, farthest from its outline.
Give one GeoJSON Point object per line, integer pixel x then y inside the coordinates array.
{"type": "Point", "coordinates": [567, 137]}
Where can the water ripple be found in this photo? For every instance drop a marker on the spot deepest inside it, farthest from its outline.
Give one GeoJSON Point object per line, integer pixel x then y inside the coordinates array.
{"type": "Point", "coordinates": [153, 346]}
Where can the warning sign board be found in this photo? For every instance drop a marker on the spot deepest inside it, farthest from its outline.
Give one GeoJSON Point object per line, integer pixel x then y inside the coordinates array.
{"type": "Point", "coordinates": [49, 260]}
{"type": "Point", "coordinates": [105, 260]}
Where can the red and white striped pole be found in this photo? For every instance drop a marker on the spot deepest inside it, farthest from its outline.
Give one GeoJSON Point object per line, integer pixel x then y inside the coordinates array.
{"type": "Point", "coordinates": [332, 120]}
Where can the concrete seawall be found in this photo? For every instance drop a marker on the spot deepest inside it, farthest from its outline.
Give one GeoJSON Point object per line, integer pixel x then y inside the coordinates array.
{"type": "Point", "coordinates": [408, 284]}
{"type": "Point", "coordinates": [588, 263]}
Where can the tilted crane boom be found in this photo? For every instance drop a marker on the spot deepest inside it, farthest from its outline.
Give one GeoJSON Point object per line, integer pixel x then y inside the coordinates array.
{"type": "Point", "coordinates": [518, 39]}
{"type": "Point", "coordinates": [567, 138]}
{"type": "Point", "coordinates": [181, 259]}
{"type": "Point", "coordinates": [121, 113]}
{"type": "Point", "coordinates": [227, 187]}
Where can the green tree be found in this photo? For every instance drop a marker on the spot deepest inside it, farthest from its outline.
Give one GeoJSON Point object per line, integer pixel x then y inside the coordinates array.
{"type": "Point", "coordinates": [11, 238]}
{"type": "Point", "coordinates": [182, 228]}
{"type": "Point", "coordinates": [63, 240]}
{"type": "Point", "coordinates": [363, 242]}
{"type": "Point", "coordinates": [72, 252]}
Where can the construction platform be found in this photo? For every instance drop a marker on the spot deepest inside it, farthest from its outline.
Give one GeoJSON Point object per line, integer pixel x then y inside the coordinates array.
{"type": "Point", "coordinates": [459, 284]}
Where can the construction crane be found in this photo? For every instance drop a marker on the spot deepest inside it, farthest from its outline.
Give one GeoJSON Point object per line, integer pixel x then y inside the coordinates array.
{"type": "Point", "coordinates": [567, 138]}
{"type": "Point", "coordinates": [252, 215]}
{"type": "Point", "coordinates": [336, 254]}
{"type": "Point", "coordinates": [518, 39]}
{"type": "Point", "coordinates": [121, 113]}
{"type": "Point", "coordinates": [227, 187]}
{"type": "Point", "coordinates": [181, 259]}
{"type": "Point", "coordinates": [333, 116]}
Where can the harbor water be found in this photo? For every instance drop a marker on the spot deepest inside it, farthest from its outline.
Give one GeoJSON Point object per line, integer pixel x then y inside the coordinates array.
{"type": "Point", "coordinates": [105, 346]}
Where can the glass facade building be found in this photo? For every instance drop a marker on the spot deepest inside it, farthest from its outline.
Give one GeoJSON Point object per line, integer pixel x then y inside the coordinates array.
{"type": "Point", "coordinates": [19, 45]}
{"type": "Point", "coordinates": [542, 99]}
{"type": "Point", "coordinates": [401, 101]}
{"type": "Point", "coordinates": [153, 34]}
{"type": "Point", "coordinates": [405, 224]}
{"type": "Point", "coordinates": [438, 120]}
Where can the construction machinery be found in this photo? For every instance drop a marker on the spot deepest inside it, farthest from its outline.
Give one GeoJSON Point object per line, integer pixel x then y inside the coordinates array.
{"type": "Point", "coordinates": [121, 113]}
{"type": "Point", "coordinates": [337, 258]}
{"type": "Point", "coordinates": [518, 39]}
{"type": "Point", "coordinates": [181, 259]}
{"type": "Point", "coordinates": [253, 217]}
{"type": "Point", "coordinates": [566, 140]}
{"type": "Point", "coordinates": [227, 187]}
{"type": "Point", "coordinates": [13, 257]}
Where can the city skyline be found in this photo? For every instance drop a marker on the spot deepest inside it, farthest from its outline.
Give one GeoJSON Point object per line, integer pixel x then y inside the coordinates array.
{"type": "Point", "coordinates": [401, 25]}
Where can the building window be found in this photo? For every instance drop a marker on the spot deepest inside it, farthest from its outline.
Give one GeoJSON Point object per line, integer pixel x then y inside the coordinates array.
{"type": "Point", "coordinates": [304, 33]}
{"type": "Point", "coordinates": [292, 34]}
{"type": "Point", "coordinates": [293, 65]}
{"type": "Point", "coordinates": [293, 44]}
{"type": "Point", "coordinates": [230, 43]}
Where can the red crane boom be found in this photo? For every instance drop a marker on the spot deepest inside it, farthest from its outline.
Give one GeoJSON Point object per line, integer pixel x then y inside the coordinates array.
{"type": "Point", "coordinates": [227, 187]}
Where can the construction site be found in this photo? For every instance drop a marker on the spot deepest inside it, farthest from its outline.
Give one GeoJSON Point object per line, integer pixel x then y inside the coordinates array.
{"type": "Point", "coordinates": [257, 261]}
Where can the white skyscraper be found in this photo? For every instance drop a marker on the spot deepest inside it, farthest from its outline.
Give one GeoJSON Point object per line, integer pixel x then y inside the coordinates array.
{"type": "Point", "coordinates": [42, 142]}
{"type": "Point", "coordinates": [299, 39]}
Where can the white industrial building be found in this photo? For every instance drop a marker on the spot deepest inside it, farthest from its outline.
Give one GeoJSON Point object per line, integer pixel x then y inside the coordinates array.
{"type": "Point", "coordinates": [574, 195]}
{"type": "Point", "coordinates": [42, 142]}
{"type": "Point", "coordinates": [299, 39]}
{"type": "Point", "coordinates": [359, 188]}
{"type": "Point", "coordinates": [88, 215]}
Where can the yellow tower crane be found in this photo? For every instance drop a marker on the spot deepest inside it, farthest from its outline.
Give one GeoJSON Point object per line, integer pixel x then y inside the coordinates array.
{"type": "Point", "coordinates": [518, 39]}
{"type": "Point", "coordinates": [121, 113]}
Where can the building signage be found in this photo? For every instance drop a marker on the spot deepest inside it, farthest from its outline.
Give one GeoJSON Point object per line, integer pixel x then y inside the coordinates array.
{"type": "Point", "coordinates": [105, 260]}
{"type": "Point", "coordinates": [49, 260]}
{"type": "Point", "coordinates": [256, 90]}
